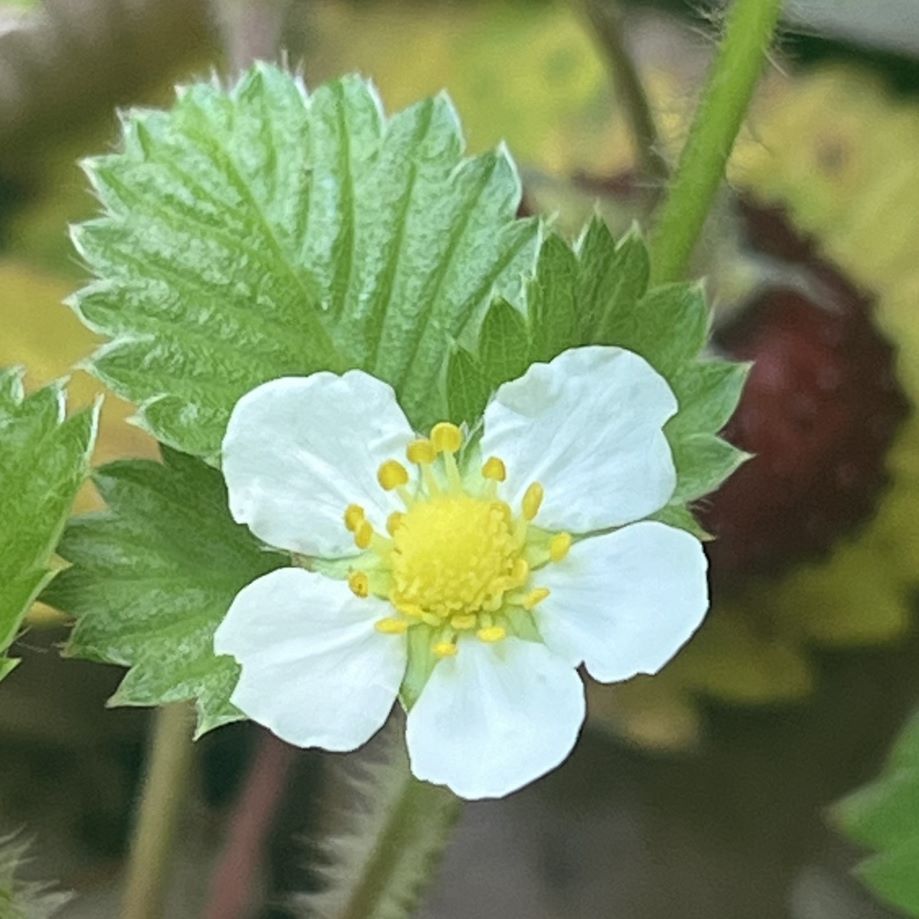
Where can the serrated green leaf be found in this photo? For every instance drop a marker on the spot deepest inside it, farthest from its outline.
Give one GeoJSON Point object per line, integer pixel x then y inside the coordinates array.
{"type": "Point", "coordinates": [44, 458]}
{"type": "Point", "coordinates": [151, 578]}
{"type": "Point", "coordinates": [884, 816]}
{"type": "Point", "coordinates": [708, 393]}
{"type": "Point", "coordinates": [703, 462]}
{"type": "Point", "coordinates": [552, 300]}
{"type": "Point", "coordinates": [467, 387]}
{"type": "Point", "coordinates": [258, 231]}
{"type": "Point", "coordinates": [598, 294]}
{"type": "Point", "coordinates": [612, 280]}
{"type": "Point", "coordinates": [668, 326]}
{"type": "Point", "coordinates": [505, 341]}
{"type": "Point", "coordinates": [892, 875]}
{"type": "Point", "coordinates": [681, 517]}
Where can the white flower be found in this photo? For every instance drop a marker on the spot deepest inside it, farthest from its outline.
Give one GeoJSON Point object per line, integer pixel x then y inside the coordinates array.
{"type": "Point", "coordinates": [508, 564]}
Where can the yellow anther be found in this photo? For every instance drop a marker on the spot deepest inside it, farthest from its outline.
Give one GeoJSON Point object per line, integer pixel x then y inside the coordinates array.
{"type": "Point", "coordinates": [421, 452]}
{"type": "Point", "coordinates": [559, 546]}
{"type": "Point", "coordinates": [444, 649]}
{"type": "Point", "coordinates": [432, 619]}
{"type": "Point", "coordinates": [492, 634]}
{"type": "Point", "coordinates": [463, 621]}
{"type": "Point", "coordinates": [535, 597]}
{"type": "Point", "coordinates": [394, 521]}
{"type": "Point", "coordinates": [391, 475]}
{"type": "Point", "coordinates": [412, 610]}
{"type": "Point", "coordinates": [354, 514]}
{"type": "Point", "coordinates": [446, 437]}
{"type": "Point", "coordinates": [391, 626]}
{"type": "Point", "coordinates": [494, 469]}
{"type": "Point", "coordinates": [363, 535]}
{"type": "Point", "coordinates": [359, 583]}
{"type": "Point", "coordinates": [532, 499]}
{"type": "Point", "coordinates": [520, 572]}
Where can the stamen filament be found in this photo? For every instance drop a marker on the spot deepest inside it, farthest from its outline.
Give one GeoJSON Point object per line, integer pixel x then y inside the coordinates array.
{"type": "Point", "coordinates": [453, 475]}
{"type": "Point", "coordinates": [429, 479]}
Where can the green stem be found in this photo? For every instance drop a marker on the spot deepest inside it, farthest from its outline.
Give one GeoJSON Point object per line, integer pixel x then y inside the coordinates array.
{"type": "Point", "coordinates": [161, 804]}
{"type": "Point", "coordinates": [405, 853]}
{"type": "Point", "coordinates": [748, 33]}
{"type": "Point", "coordinates": [606, 19]}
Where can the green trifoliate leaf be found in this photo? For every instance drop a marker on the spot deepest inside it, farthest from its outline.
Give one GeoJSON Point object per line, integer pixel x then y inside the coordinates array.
{"type": "Point", "coordinates": [884, 817]}
{"type": "Point", "coordinates": [44, 458]}
{"type": "Point", "coordinates": [598, 293]}
{"type": "Point", "coordinates": [259, 232]}
{"type": "Point", "coordinates": [151, 579]}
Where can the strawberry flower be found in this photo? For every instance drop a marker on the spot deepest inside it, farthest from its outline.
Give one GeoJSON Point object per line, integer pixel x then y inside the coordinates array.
{"type": "Point", "coordinates": [499, 564]}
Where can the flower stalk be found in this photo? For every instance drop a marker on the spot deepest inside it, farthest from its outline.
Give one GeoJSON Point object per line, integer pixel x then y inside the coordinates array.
{"type": "Point", "coordinates": [748, 31]}
{"type": "Point", "coordinates": [165, 789]}
{"type": "Point", "coordinates": [606, 20]}
{"type": "Point", "coordinates": [407, 851]}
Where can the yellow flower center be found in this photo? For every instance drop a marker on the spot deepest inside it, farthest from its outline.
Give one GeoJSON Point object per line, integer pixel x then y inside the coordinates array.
{"type": "Point", "coordinates": [457, 559]}
{"type": "Point", "coordinates": [454, 554]}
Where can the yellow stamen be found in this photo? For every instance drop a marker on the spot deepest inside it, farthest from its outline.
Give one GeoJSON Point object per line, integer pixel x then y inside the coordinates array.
{"type": "Point", "coordinates": [559, 546]}
{"type": "Point", "coordinates": [363, 535]}
{"type": "Point", "coordinates": [520, 572]}
{"type": "Point", "coordinates": [444, 649]}
{"type": "Point", "coordinates": [391, 475]}
{"type": "Point", "coordinates": [446, 437]}
{"type": "Point", "coordinates": [359, 583]}
{"type": "Point", "coordinates": [535, 597]}
{"type": "Point", "coordinates": [532, 499]}
{"type": "Point", "coordinates": [463, 621]}
{"type": "Point", "coordinates": [394, 521]}
{"type": "Point", "coordinates": [492, 634]}
{"type": "Point", "coordinates": [412, 610]}
{"type": "Point", "coordinates": [494, 469]}
{"type": "Point", "coordinates": [354, 514]}
{"type": "Point", "coordinates": [421, 452]}
{"type": "Point", "coordinates": [391, 626]}
{"type": "Point", "coordinates": [432, 619]}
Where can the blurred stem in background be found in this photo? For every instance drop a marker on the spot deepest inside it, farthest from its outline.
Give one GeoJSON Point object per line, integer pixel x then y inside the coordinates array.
{"type": "Point", "coordinates": [606, 19]}
{"type": "Point", "coordinates": [234, 879]}
{"type": "Point", "coordinates": [748, 30]}
{"type": "Point", "coordinates": [164, 795]}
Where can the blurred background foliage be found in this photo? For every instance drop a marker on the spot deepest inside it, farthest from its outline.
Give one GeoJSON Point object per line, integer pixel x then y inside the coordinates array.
{"type": "Point", "coordinates": [703, 787]}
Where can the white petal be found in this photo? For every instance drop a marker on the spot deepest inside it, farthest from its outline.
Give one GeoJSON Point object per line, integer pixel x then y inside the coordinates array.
{"type": "Point", "coordinates": [494, 718]}
{"type": "Point", "coordinates": [589, 427]}
{"type": "Point", "coordinates": [299, 450]}
{"type": "Point", "coordinates": [315, 671]}
{"type": "Point", "coordinates": [624, 602]}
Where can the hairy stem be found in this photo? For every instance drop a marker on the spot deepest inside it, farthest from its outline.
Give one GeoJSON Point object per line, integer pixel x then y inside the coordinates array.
{"type": "Point", "coordinates": [748, 31]}
{"type": "Point", "coordinates": [606, 20]}
{"type": "Point", "coordinates": [405, 853]}
{"type": "Point", "coordinates": [161, 804]}
{"type": "Point", "coordinates": [250, 822]}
